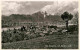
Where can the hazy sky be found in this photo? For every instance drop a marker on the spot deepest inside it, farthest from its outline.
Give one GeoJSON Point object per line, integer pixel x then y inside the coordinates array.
{"type": "Point", "coordinates": [29, 7]}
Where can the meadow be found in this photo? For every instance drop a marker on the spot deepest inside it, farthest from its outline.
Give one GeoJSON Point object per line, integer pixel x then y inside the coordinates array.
{"type": "Point", "coordinates": [40, 38]}
{"type": "Point", "coordinates": [48, 42]}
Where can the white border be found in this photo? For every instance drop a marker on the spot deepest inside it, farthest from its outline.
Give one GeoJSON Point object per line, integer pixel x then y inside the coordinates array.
{"type": "Point", "coordinates": [39, 0]}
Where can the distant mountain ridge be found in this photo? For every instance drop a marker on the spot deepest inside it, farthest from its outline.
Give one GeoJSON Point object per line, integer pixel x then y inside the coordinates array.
{"type": "Point", "coordinates": [35, 17]}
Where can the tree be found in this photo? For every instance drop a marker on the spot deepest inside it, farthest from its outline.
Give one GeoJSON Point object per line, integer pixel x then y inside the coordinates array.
{"type": "Point", "coordinates": [76, 18]}
{"type": "Point", "coordinates": [66, 17]}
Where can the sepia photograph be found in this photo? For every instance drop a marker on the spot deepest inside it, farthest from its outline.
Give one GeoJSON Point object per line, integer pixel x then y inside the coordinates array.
{"type": "Point", "coordinates": [40, 24]}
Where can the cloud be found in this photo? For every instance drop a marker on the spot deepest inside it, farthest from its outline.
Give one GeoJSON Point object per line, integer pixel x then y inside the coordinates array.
{"type": "Point", "coordinates": [13, 7]}
{"type": "Point", "coordinates": [59, 7]}
{"type": "Point", "coordinates": [10, 7]}
{"type": "Point", "coordinates": [29, 7]}
{"type": "Point", "coordinates": [22, 7]}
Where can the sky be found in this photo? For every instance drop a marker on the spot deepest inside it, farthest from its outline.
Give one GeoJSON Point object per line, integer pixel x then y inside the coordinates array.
{"type": "Point", "coordinates": [30, 7]}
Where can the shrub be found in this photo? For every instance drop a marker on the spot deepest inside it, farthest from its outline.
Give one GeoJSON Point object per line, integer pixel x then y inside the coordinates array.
{"type": "Point", "coordinates": [73, 28]}
{"type": "Point", "coordinates": [5, 37]}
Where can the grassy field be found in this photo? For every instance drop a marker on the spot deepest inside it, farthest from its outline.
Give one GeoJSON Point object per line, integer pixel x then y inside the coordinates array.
{"type": "Point", "coordinates": [47, 42]}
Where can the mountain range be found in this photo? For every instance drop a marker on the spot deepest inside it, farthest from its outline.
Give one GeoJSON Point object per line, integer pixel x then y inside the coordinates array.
{"type": "Point", "coordinates": [35, 17]}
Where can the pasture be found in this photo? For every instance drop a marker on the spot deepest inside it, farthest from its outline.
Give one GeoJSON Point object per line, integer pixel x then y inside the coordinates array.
{"type": "Point", "coordinates": [69, 41]}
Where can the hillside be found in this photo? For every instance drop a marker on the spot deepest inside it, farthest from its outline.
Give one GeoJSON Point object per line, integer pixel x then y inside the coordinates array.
{"type": "Point", "coordinates": [38, 16]}
{"type": "Point", "coordinates": [47, 42]}
{"type": "Point", "coordinates": [15, 19]}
